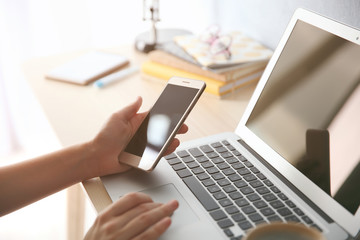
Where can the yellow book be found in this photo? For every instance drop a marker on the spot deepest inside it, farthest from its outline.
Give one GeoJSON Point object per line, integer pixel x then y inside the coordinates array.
{"type": "Point", "coordinates": [213, 86]}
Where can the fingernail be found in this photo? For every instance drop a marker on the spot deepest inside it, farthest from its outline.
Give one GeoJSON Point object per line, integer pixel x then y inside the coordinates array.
{"type": "Point", "coordinates": [174, 204]}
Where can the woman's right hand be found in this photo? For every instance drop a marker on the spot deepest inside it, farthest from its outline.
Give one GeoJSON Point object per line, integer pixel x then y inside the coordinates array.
{"type": "Point", "coordinates": [133, 216]}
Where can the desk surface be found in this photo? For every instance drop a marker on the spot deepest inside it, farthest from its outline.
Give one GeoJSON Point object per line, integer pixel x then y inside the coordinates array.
{"type": "Point", "coordinates": [76, 113]}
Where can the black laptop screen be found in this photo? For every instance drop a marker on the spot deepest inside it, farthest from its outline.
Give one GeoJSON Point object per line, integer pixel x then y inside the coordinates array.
{"type": "Point", "coordinates": [309, 111]}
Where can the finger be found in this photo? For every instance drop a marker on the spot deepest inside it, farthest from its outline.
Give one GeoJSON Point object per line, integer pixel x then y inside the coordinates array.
{"type": "Point", "coordinates": [172, 147]}
{"type": "Point", "coordinates": [155, 231]}
{"type": "Point", "coordinates": [130, 110]}
{"type": "Point", "coordinates": [125, 203]}
{"type": "Point", "coordinates": [148, 219]}
{"type": "Point", "coordinates": [183, 129]}
{"type": "Point", "coordinates": [136, 211]}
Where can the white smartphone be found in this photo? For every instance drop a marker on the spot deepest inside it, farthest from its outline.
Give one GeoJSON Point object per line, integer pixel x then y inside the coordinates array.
{"type": "Point", "coordinates": [160, 126]}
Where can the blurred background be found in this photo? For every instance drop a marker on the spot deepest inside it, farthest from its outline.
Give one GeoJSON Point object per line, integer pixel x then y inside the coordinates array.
{"type": "Point", "coordinates": [35, 28]}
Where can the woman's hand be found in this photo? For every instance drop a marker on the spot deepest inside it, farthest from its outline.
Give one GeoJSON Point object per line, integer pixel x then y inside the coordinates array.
{"type": "Point", "coordinates": [114, 137]}
{"type": "Point", "coordinates": [134, 216]}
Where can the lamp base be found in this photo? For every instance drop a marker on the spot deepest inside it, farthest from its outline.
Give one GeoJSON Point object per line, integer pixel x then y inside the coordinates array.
{"type": "Point", "coordinates": [144, 43]}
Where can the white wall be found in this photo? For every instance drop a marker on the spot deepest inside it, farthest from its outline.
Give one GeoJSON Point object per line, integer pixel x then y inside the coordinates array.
{"type": "Point", "coordinates": [266, 20]}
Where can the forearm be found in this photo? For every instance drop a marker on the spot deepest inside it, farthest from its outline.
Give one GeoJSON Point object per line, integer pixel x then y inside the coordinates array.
{"type": "Point", "coordinates": [29, 181]}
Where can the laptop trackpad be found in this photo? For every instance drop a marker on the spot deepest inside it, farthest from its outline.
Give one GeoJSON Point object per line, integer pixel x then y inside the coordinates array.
{"type": "Point", "coordinates": [183, 215]}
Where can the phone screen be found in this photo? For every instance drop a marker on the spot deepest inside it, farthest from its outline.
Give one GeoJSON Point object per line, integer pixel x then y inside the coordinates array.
{"type": "Point", "coordinates": [161, 121]}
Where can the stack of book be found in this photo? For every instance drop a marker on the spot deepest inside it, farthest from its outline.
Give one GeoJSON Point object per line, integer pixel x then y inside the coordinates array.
{"type": "Point", "coordinates": [221, 77]}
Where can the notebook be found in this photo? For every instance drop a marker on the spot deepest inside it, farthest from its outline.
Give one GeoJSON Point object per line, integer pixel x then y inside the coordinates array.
{"type": "Point", "coordinates": [294, 156]}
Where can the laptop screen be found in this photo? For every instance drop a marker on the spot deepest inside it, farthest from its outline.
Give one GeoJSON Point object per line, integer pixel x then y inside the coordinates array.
{"type": "Point", "coordinates": [308, 111]}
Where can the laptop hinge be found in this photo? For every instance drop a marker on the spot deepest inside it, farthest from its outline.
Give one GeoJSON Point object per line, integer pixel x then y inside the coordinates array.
{"type": "Point", "coordinates": [288, 183]}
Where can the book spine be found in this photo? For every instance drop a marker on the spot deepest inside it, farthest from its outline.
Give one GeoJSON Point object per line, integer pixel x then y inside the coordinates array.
{"type": "Point", "coordinates": [175, 62]}
{"type": "Point", "coordinates": [215, 87]}
{"type": "Point", "coordinates": [165, 72]}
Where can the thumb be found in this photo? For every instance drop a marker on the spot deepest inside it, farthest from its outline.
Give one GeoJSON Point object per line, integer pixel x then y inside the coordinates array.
{"type": "Point", "coordinates": [132, 109]}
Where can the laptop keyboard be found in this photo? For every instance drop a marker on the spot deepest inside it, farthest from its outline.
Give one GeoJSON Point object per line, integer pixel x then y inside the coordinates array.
{"type": "Point", "coordinates": [232, 190]}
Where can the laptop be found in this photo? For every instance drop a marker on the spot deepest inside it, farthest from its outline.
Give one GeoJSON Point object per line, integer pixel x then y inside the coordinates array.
{"type": "Point", "coordinates": [294, 156]}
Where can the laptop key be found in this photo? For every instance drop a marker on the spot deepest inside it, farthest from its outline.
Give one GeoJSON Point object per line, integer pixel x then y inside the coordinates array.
{"type": "Point", "coordinates": [292, 218]}
{"type": "Point", "coordinates": [307, 219]}
{"type": "Point", "coordinates": [238, 165]}
{"type": "Point", "coordinates": [245, 225]}
{"type": "Point", "coordinates": [223, 165]}
{"type": "Point", "coordinates": [219, 195]}
{"type": "Point", "coordinates": [170, 156]}
{"type": "Point", "coordinates": [217, 160]}
{"type": "Point", "coordinates": [192, 164]}
{"type": "Point", "coordinates": [238, 217]}
{"type": "Point", "coordinates": [260, 204]}
{"type": "Point", "coordinates": [218, 214]}
{"type": "Point", "coordinates": [183, 154]}
{"type": "Point", "coordinates": [277, 204]}
{"type": "Point", "coordinates": [216, 144]}
{"type": "Point", "coordinates": [284, 211]}
{"type": "Point", "coordinates": [200, 193]}
{"type": "Point", "coordinates": [221, 149]}
{"type": "Point", "coordinates": [290, 204]}
{"type": "Point", "coordinates": [228, 171]}
{"type": "Point", "coordinates": [228, 233]}
{"type": "Point", "coordinates": [195, 152]}
{"type": "Point", "coordinates": [256, 184]}
{"type": "Point", "coordinates": [234, 177]}
{"type": "Point", "coordinates": [217, 176]}
{"type": "Point", "coordinates": [173, 161]}
{"type": "Point", "coordinates": [250, 177]}
{"type": "Point", "coordinates": [243, 171]}
{"type": "Point", "coordinates": [269, 197]}
{"type": "Point", "coordinates": [206, 148]}
{"type": "Point", "coordinates": [274, 218]}
{"type": "Point", "coordinates": [283, 196]}
{"type": "Point", "coordinates": [226, 143]}
{"type": "Point", "coordinates": [208, 182]}
{"type": "Point", "coordinates": [213, 189]}
{"type": "Point", "coordinates": [232, 210]}
{"type": "Point", "coordinates": [254, 170]}
{"type": "Point", "coordinates": [246, 190]}
{"type": "Point", "coordinates": [188, 159]}
{"type": "Point", "coordinates": [225, 202]}
{"type": "Point", "coordinates": [184, 173]}
{"type": "Point", "coordinates": [261, 176]}
{"type": "Point", "coordinates": [197, 170]}
{"type": "Point", "coordinates": [212, 154]}
{"type": "Point", "coordinates": [207, 164]}
{"type": "Point", "coordinates": [225, 223]}
{"type": "Point", "coordinates": [178, 166]}
{"type": "Point", "coordinates": [262, 190]}
{"type": "Point", "coordinates": [226, 154]}
{"type": "Point", "coordinates": [242, 202]}
{"type": "Point", "coordinates": [212, 170]}
{"type": "Point", "coordinates": [298, 211]}
{"type": "Point", "coordinates": [248, 209]}
{"type": "Point", "coordinates": [240, 184]}
{"type": "Point", "coordinates": [256, 217]}
{"type": "Point", "coordinates": [267, 211]}
{"type": "Point", "coordinates": [235, 195]}
{"type": "Point", "coordinates": [223, 182]}
{"type": "Point", "coordinates": [202, 159]}
{"type": "Point", "coordinates": [203, 176]}
{"type": "Point", "coordinates": [229, 189]}
{"type": "Point", "coordinates": [253, 197]}
{"type": "Point", "coordinates": [232, 160]}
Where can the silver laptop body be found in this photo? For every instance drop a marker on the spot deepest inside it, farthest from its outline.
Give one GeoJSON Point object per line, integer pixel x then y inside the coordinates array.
{"type": "Point", "coordinates": [294, 156]}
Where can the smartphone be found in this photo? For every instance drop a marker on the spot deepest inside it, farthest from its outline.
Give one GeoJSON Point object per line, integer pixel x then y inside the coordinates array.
{"type": "Point", "coordinates": [161, 124]}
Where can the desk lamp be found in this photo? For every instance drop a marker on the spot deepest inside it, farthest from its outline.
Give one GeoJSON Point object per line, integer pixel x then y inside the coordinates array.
{"type": "Point", "coordinates": [154, 38]}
